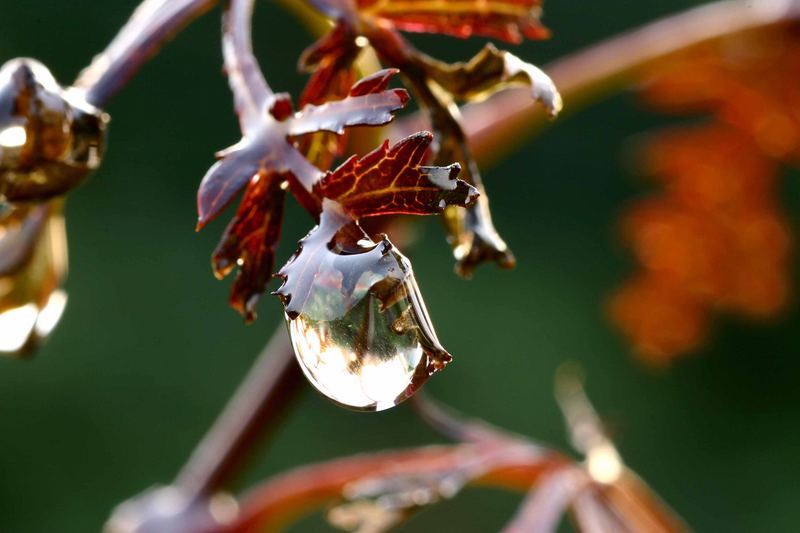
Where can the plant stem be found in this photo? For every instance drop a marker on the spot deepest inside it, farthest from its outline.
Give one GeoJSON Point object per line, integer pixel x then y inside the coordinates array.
{"type": "Point", "coordinates": [498, 125]}
{"type": "Point", "coordinates": [248, 85]}
{"type": "Point", "coordinates": [152, 24]}
{"type": "Point", "coordinates": [257, 406]}
{"type": "Point", "coordinates": [498, 463]}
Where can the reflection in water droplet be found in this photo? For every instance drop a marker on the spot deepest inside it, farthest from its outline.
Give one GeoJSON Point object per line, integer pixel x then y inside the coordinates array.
{"type": "Point", "coordinates": [357, 321]}
{"type": "Point", "coordinates": [357, 360]}
{"type": "Point", "coordinates": [13, 137]}
{"type": "Point", "coordinates": [16, 326]}
{"type": "Point", "coordinates": [50, 314]}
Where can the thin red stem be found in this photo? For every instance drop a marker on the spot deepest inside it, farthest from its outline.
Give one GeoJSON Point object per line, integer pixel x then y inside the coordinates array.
{"type": "Point", "coordinates": [288, 496]}
{"type": "Point", "coordinates": [247, 82]}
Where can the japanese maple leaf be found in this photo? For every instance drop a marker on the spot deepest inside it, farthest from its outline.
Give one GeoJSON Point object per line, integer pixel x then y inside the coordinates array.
{"type": "Point", "coordinates": [437, 84]}
{"type": "Point", "coordinates": [392, 180]}
{"type": "Point", "coordinates": [267, 147]}
{"type": "Point", "coordinates": [250, 240]}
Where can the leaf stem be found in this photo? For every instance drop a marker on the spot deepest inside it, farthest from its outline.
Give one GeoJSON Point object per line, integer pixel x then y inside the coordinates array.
{"type": "Point", "coordinates": [247, 82]}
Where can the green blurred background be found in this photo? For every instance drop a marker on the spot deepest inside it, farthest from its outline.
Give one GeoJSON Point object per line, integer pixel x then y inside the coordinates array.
{"type": "Point", "coordinates": [148, 352]}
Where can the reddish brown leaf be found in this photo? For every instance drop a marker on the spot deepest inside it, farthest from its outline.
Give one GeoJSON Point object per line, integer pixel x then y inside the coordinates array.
{"type": "Point", "coordinates": [390, 180]}
{"type": "Point", "coordinates": [368, 104]}
{"type": "Point", "coordinates": [329, 61]}
{"type": "Point", "coordinates": [250, 240]}
{"type": "Point", "coordinates": [510, 20]}
{"type": "Point", "coordinates": [266, 149]}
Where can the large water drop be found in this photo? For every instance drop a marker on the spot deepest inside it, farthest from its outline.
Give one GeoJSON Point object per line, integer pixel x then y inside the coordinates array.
{"type": "Point", "coordinates": [357, 321]}
{"type": "Point", "coordinates": [50, 137]}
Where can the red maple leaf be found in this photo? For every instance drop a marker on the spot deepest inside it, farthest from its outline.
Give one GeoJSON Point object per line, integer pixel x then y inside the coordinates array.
{"type": "Point", "coordinates": [391, 181]}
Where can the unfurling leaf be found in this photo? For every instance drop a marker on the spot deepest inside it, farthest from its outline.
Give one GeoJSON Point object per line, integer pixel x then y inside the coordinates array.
{"type": "Point", "coordinates": [510, 20]}
{"type": "Point", "coordinates": [391, 180]}
{"type": "Point", "coordinates": [250, 240]}
{"type": "Point", "coordinates": [474, 239]}
{"type": "Point", "coordinates": [471, 232]}
{"type": "Point", "coordinates": [358, 324]}
{"type": "Point", "coordinates": [492, 70]}
{"type": "Point", "coordinates": [267, 148]}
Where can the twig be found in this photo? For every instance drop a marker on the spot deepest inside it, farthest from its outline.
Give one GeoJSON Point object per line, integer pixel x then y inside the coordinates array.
{"type": "Point", "coordinates": [248, 85]}
{"type": "Point", "coordinates": [152, 24]}
{"type": "Point", "coordinates": [259, 403]}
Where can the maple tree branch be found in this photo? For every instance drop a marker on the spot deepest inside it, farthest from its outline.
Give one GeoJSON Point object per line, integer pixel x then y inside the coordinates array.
{"type": "Point", "coordinates": [257, 406]}
{"type": "Point", "coordinates": [152, 24]}
{"type": "Point", "coordinates": [498, 125]}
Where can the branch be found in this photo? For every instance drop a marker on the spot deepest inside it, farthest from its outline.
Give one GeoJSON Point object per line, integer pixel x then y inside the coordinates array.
{"type": "Point", "coordinates": [152, 24]}
{"type": "Point", "coordinates": [498, 125]}
{"type": "Point", "coordinates": [257, 406]}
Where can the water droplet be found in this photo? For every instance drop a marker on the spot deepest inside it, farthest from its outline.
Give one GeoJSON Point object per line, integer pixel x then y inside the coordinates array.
{"type": "Point", "coordinates": [32, 268]}
{"type": "Point", "coordinates": [50, 137]}
{"type": "Point", "coordinates": [357, 321]}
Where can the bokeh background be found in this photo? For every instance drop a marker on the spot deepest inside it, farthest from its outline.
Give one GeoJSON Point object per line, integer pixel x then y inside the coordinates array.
{"type": "Point", "coordinates": [148, 352]}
